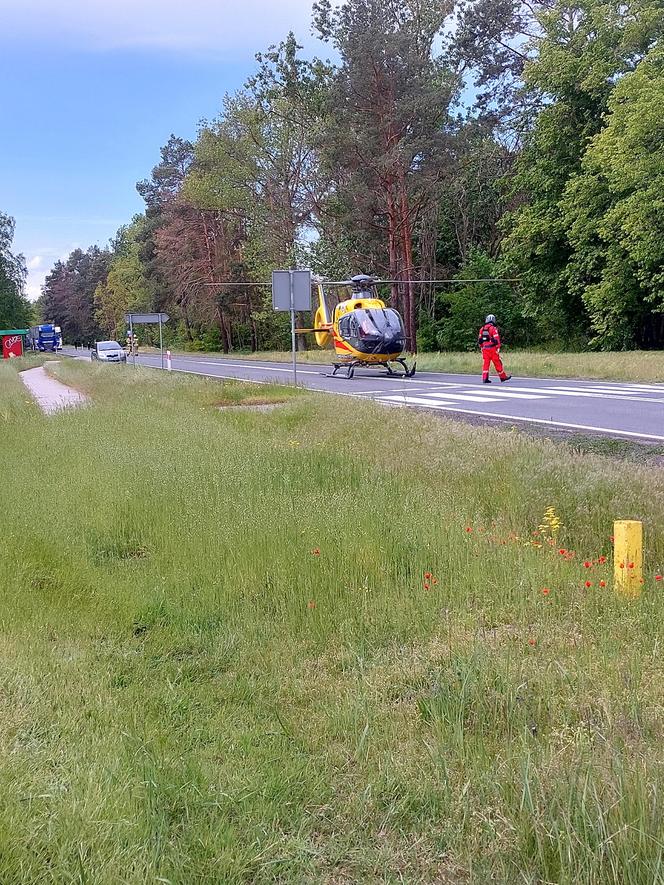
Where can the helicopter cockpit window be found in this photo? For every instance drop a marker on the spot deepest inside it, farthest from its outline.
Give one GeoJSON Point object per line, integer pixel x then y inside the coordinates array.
{"type": "Point", "coordinates": [373, 330]}
{"type": "Point", "coordinates": [393, 321]}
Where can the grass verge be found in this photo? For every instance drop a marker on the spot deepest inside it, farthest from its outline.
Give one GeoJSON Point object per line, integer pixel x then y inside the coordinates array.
{"type": "Point", "coordinates": [314, 645]}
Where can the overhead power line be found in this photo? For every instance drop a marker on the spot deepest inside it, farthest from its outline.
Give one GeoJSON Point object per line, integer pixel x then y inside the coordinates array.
{"type": "Point", "coordinates": [379, 282]}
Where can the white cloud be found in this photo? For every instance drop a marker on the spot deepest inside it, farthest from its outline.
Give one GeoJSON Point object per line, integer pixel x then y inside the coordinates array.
{"type": "Point", "coordinates": [39, 266]}
{"type": "Point", "coordinates": [33, 289]}
{"type": "Point", "coordinates": [225, 27]}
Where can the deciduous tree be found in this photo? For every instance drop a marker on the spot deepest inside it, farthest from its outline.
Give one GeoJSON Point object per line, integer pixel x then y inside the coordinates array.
{"type": "Point", "coordinates": [613, 211]}
{"type": "Point", "coordinates": [15, 310]}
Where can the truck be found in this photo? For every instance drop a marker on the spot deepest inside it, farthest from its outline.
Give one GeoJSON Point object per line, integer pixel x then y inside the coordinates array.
{"type": "Point", "coordinates": [46, 338]}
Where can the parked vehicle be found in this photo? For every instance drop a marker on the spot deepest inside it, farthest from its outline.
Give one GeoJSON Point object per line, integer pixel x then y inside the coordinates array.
{"type": "Point", "coordinates": [46, 338]}
{"type": "Point", "coordinates": [108, 352]}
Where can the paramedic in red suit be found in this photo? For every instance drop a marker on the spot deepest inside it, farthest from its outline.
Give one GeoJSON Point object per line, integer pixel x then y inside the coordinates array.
{"type": "Point", "coordinates": [489, 342]}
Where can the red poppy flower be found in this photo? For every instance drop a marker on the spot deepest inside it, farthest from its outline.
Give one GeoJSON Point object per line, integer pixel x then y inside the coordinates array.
{"type": "Point", "coordinates": [611, 538]}
{"type": "Point", "coordinates": [562, 551]}
{"type": "Point", "coordinates": [587, 564]}
{"type": "Point", "coordinates": [589, 583]}
{"type": "Point", "coordinates": [658, 577]}
{"type": "Point", "coordinates": [426, 585]}
{"type": "Point", "coordinates": [469, 528]}
{"type": "Point", "coordinates": [311, 604]}
{"type": "Point", "coordinates": [622, 565]}
{"type": "Point", "coordinates": [435, 581]}
{"type": "Point", "coordinates": [602, 583]}
{"type": "Point", "coordinates": [315, 551]}
{"type": "Point", "coordinates": [602, 560]}
{"type": "Point", "coordinates": [532, 641]}
{"type": "Point", "coordinates": [545, 591]}
{"type": "Point", "coordinates": [630, 565]}
{"type": "Point", "coordinates": [427, 575]}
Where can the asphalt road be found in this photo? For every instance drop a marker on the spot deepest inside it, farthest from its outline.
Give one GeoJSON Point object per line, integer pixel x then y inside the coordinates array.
{"type": "Point", "coordinates": [630, 411]}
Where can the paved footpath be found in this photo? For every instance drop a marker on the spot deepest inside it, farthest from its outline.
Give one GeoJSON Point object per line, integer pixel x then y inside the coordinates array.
{"type": "Point", "coordinates": [51, 395]}
{"type": "Point", "coordinates": [618, 409]}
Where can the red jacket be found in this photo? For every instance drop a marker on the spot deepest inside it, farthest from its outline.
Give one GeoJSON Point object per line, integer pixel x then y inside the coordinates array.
{"type": "Point", "coordinates": [489, 336]}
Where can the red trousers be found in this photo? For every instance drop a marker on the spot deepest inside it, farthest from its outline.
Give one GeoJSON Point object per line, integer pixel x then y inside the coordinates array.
{"type": "Point", "coordinates": [491, 355]}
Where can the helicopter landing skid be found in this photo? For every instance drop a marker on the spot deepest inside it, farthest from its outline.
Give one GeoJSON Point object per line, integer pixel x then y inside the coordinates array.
{"type": "Point", "coordinates": [350, 369]}
{"type": "Point", "coordinates": [407, 373]}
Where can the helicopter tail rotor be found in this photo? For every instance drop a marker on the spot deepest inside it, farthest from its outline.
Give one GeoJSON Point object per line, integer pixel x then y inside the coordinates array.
{"type": "Point", "coordinates": [322, 319]}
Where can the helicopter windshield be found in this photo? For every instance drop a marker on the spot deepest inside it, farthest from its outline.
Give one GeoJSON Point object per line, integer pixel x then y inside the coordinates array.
{"type": "Point", "coordinates": [373, 330]}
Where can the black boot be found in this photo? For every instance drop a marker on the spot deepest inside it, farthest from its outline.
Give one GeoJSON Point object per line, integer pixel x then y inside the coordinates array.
{"type": "Point", "coordinates": [486, 380]}
{"type": "Point", "coordinates": [506, 378]}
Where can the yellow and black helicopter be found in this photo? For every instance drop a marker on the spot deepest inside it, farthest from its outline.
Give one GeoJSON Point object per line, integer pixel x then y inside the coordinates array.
{"type": "Point", "coordinates": [363, 330]}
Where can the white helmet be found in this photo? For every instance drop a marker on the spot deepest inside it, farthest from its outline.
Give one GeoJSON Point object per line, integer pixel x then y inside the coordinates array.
{"type": "Point", "coordinates": [490, 319]}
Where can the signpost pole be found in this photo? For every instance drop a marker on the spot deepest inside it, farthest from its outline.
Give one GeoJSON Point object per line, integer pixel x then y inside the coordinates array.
{"type": "Point", "coordinates": [131, 339]}
{"type": "Point", "coordinates": [292, 324]}
{"type": "Point", "coordinates": [161, 343]}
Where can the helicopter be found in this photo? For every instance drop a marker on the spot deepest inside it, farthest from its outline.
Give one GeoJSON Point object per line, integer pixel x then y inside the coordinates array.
{"type": "Point", "coordinates": [364, 332]}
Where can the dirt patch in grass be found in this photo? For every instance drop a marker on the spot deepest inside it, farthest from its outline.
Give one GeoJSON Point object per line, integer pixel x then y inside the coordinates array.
{"type": "Point", "coordinates": [252, 404]}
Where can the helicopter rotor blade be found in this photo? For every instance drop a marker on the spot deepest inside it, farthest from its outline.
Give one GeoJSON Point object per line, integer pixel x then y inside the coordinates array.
{"type": "Point", "coordinates": [451, 282]}
{"type": "Point", "coordinates": [377, 282]}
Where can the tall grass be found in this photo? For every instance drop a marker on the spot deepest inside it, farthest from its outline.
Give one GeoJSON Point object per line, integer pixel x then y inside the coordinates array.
{"type": "Point", "coordinates": [311, 645]}
{"type": "Point", "coordinates": [637, 366]}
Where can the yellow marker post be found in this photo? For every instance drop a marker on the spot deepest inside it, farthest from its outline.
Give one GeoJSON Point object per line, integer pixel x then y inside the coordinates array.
{"type": "Point", "coordinates": [628, 556]}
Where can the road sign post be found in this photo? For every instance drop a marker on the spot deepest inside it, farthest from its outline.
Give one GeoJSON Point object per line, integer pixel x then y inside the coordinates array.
{"type": "Point", "coordinates": [291, 291]}
{"type": "Point", "coordinates": [292, 326]}
{"type": "Point", "coordinates": [131, 340]}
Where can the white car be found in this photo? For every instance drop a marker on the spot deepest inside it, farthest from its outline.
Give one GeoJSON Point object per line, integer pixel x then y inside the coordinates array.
{"type": "Point", "coordinates": [108, 352]}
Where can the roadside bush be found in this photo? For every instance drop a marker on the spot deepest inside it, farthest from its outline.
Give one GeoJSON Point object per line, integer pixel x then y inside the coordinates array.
{"type": "Point", "coordinates": [463, 307]}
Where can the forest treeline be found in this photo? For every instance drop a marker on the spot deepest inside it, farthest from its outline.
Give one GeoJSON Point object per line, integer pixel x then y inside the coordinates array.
{"type": "Point", "coordinates": [448, 140]}
{"type": "Point", "coordinates": [15, 310]}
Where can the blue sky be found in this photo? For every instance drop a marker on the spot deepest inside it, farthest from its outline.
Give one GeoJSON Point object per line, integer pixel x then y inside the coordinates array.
{"type": "Point", "coordinates": [93, 91]}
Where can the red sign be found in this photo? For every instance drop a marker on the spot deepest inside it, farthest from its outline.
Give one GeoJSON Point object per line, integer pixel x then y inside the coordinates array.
{"type": "Point", "coordinates": [12, 345]}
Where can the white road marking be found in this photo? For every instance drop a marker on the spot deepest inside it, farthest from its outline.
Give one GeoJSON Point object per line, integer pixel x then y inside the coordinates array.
{"type": "Point", "coordinates": [609, 385]}
{"type": "Point", "coordinates": [493, 396]}
{"type": "Point", "coordinates": [286, 369]}
{"type": "Point", "coordinates": [580, 392]}
{"type": "Point", "coordinates": [430, 400]}
{"type": "Point", "coordinates": [611, 430]}
{"type": "Point", "coordinates": [629, 396]}
{"type": "Point", "coordinates": [478, 397]}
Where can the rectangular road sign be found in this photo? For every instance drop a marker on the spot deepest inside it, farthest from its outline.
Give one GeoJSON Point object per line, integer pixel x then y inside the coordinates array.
{"type": "Point", "coordinates": [281, 289]}
{"type": "Point", "coordinates": [143, 318]}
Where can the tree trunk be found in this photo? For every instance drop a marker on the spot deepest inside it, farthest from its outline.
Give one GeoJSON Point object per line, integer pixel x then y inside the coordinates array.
{"type": "Point", "coordinates": [252, 325]}
{"type": "Point", "coordinates": [393, 251]}
{"type": "Point", "coordinates": [223, 329]}
{"type": "Point", "coordinates": [409, 270]}
{"type": "Point", "coordinates": [187, 324]}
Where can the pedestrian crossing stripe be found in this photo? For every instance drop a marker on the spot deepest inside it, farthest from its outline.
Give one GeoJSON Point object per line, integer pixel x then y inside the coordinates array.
{"type": "Point", "coordinates": [435, 402]}
{"type": "Point", "coordinates": [490, 394]}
